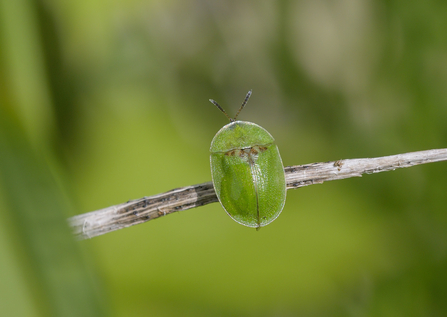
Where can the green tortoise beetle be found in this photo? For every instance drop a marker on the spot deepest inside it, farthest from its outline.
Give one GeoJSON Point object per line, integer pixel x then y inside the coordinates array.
{"type": "Point", "coordinates": [247, 171]}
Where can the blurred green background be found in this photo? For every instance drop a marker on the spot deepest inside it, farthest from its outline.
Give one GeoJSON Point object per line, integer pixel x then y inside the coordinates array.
{"type": "Point", "coordinates": [106, 101]}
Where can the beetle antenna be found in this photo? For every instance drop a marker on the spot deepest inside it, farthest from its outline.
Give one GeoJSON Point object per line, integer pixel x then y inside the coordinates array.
{"type": "Point", "coordinates": [221, 109]}
{"type": "Point", "coordinates": [243, 104]}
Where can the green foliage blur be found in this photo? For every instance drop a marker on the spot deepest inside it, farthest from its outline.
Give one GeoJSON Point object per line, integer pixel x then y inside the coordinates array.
{"type": "Point", "coordinates": [106, 101]}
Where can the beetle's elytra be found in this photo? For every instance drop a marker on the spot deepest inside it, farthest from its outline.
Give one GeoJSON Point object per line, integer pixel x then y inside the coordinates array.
{"type": "Point", "coordinates": [247, 172]}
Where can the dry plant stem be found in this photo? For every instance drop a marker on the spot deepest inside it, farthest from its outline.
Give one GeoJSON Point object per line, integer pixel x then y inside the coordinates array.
{"type": "Point", "coordinates": [141, 210]}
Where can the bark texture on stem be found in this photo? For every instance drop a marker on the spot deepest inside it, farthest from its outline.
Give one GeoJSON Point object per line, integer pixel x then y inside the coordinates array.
{"type": "Point", "coordinates": [141, 210]}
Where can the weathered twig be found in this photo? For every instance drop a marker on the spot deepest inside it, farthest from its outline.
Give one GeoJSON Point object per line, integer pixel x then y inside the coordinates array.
{"type": "Point", "coordinates": [137, 211]}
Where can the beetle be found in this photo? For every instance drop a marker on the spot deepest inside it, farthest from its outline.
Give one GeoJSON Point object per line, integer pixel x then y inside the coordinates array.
{"type": "Point", "coordinates": [247, 171]}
